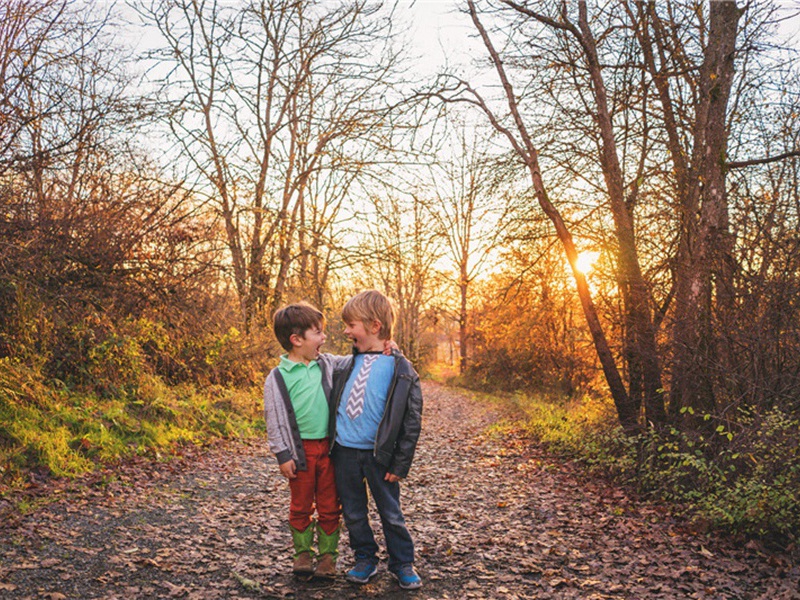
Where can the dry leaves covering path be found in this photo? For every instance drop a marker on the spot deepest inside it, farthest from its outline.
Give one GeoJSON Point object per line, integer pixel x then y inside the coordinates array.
{"type": "Point", "coordinates": [492, 517]}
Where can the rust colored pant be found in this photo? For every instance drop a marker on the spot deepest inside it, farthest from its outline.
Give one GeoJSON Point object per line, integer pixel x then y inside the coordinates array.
{"type": "Point", "coordinates": [315, 488]}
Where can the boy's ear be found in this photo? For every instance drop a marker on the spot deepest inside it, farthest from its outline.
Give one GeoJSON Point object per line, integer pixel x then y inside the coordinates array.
{"type": "Point", "coordinates": [375, 326]}
{"type": "Point", "coordinates": [296, 339]}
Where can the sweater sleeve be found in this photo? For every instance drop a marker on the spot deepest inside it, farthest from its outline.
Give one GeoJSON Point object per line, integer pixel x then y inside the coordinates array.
{"type": "Point", "coordinates": [279, 444]}
{"type": "Point", "coordinates": [336, 361]}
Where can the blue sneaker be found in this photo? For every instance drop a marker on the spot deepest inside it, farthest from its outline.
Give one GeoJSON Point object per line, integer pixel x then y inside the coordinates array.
{"type": "Point", "coordinates": [362, 572]}
{"type": "Point", "coordinates": [407, 577]}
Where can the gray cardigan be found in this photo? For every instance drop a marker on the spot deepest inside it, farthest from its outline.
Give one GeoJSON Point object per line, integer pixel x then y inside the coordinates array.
{"type": "Point", "coordinates": [283, 434]}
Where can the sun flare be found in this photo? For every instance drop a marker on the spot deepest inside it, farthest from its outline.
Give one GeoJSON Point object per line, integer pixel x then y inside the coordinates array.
{"type": "Point", "coordinates": [586, 261]}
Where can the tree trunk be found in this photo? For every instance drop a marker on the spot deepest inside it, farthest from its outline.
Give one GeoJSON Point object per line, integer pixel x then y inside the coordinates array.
{"type": "Point", "coordinates": [693, 344]}
{"type": "Point", "coordinates": [462, 325]}
{"type": "Point", "coordinates": [645, 368]}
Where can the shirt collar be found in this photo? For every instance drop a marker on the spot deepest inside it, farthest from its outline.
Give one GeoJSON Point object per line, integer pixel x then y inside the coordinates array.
{"type": "Point", "coordinates": [288, 365]}
{"type": "Point", "coordinates": [357, 353]}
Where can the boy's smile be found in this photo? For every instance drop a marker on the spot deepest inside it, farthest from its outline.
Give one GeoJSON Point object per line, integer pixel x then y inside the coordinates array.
{"type": "Point", "coordinates": [306, 347]}
{"type": "Point", "coordinates": [364, 336]}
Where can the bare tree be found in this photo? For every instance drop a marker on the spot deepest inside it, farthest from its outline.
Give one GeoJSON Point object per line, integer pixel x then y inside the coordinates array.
{"type": "Point", "coordinates": [700, 179]}
{"type": "Point", "coordinates": [470, 209]}
{"type": "Point", "coordinates": [517, 133]}
{"type": "Point", "coordinates": [24, 27]}
{"type": "Point", "coordinates": [399, 255]}
{"type": "Point", "coordinates": [40, 43]}
{"type": "Point", "coordinates": [263, 102]}
{"type": "Point", "coordinates": [659, 95]}
{"type": "Point", "coordinates": [92, 232]}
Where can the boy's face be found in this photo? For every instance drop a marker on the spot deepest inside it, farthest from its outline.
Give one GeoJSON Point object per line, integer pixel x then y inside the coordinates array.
{"type": "Point", "coordinates": [364, 335]}
{"type": "Point", "coordinates": [306, 347]}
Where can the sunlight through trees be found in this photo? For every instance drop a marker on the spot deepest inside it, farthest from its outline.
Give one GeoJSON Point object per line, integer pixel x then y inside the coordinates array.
{"type": "Point", "coordinates": [584, 199]}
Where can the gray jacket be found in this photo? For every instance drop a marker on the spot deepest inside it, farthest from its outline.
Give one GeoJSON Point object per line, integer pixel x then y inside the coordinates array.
{"type": "Point", "coordinates": [283, 434]}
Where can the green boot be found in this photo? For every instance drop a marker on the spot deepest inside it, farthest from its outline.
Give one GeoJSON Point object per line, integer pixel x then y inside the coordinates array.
{"type": "Point", "coordinates": [328, 546]}
{"type": "Point", "coordinates": [302, 540]}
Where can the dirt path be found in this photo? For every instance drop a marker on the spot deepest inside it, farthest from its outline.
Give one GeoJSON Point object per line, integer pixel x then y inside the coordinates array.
{"type": "Point", "coordinates": [491, 518]}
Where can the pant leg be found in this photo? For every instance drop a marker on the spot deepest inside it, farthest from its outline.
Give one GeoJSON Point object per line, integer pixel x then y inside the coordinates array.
{"type": "Point", "coordinates": [399, 544]}
{"type": "Point", "coordinates": [353, 494]}
{"type": "Point", "coordinates": [327, 500]}
{"type": "Point", "coordinates": [301, 504]}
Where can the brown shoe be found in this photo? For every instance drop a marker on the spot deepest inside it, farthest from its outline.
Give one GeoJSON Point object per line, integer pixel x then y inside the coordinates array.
{"type": "Point", "coordinates": [326, 567]}
{"type": "Point", "coordinates": [302, 564]}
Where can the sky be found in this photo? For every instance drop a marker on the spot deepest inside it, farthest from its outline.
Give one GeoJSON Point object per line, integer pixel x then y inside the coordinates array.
{"type": "Point", "coordinates": [439, 31]}
{"type": "Point", "coordinates": [436, 28]}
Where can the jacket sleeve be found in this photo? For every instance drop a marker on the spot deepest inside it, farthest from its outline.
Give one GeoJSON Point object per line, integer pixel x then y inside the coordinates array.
{"type": "Point", "coordinates": [279, 444]}
{"type": "Point", "coordinates": [409, 433]}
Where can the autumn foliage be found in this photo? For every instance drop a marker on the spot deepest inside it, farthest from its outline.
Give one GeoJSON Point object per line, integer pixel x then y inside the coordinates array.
{"type": "Point", "coordinates": [527, 330]}
{"type": "Point", "coordinates": [155, 208]}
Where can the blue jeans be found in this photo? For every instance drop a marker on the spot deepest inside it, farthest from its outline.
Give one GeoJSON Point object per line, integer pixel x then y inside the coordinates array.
{"type": "Point", "coordinates": [355, 469]}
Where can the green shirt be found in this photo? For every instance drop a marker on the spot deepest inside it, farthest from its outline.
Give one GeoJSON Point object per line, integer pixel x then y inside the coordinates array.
{"type": "Point", "coordinates": [304, 383]}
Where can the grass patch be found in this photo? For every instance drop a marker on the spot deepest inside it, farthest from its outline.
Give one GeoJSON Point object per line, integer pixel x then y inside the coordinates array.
{"type": "Point", "coordinates": [47, 428]}
{"type": "Point", "coordinates": [743, 479]}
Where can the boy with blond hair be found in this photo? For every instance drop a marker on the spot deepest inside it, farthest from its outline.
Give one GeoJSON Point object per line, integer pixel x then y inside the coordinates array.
{"type": "Point", "coordinates": [377, 401]}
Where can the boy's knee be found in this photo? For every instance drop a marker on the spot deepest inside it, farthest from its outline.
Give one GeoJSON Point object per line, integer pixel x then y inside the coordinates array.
{"type": "Point", "coordinates": [395, 521]}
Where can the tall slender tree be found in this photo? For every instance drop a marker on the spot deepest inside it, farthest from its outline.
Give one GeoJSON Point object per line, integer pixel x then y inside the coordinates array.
{"type": "Point", "coordinates": [471, 210]}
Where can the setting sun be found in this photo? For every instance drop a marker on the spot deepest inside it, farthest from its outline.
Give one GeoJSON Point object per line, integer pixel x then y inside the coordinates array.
{"type": "Point", "coordinates": [586, 261]}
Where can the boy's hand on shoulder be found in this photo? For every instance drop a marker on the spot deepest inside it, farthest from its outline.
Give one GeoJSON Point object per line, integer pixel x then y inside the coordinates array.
{"type": "Point", "coordinates": [392, 478]}
{"type": "Point", "coordinates": [389, 345]}
{"type": "Point", "coordinates": [288, 469]}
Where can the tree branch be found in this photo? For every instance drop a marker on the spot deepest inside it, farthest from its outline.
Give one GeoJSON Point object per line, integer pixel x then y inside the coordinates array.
{"type": "Point", "coordinates": [762, 161]}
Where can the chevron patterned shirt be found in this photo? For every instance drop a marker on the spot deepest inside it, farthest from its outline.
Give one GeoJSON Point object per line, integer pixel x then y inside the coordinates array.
{"type": "Point", "coordinates": [360, 432]}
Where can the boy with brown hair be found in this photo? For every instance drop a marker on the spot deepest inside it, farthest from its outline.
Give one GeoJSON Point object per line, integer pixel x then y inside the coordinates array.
{"type": "Point", "coordinates": [297, 411]}
{"type": "Point", "coordinates": [378, 417]}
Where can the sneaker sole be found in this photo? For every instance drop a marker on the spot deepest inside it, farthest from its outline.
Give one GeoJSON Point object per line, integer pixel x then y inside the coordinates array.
{"type": "Point", "coordinates": [413, 586]}
{"type": "Point", "coordinates": [352, 579]}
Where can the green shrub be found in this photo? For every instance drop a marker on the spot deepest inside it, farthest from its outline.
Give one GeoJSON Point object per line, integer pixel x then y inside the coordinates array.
{"type": "Point", "coordinates": [66, 433]}
{"type": "Point", "coordinates": [744, 477]}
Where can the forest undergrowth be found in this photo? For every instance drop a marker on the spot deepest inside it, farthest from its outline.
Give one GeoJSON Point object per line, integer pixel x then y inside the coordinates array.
{"type": "Point", "coordinates": [49, 430]}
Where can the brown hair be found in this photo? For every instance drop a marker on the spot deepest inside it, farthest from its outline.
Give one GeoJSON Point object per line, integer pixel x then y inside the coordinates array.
{"type": "Point", "coordinates": [367, 306]}
{"type": "Point", "coordinates": [293, 319]}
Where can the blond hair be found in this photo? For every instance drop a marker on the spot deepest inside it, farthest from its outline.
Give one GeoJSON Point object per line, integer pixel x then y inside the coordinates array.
{"type": "Point", "coordinates": [368, 306]}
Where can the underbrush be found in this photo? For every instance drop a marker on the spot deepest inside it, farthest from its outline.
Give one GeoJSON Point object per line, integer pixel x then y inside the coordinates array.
{"type": "Point", "coordinates": [49, 428]}
{"type": "Point", "coordinates": [742, 478]}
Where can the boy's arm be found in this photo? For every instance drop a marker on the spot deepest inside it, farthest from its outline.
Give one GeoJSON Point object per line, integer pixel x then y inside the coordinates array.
{"type": "Point", "coordinates": [277, 445]}
{"type": "Point", "coordinates": [339, 362]}
{"type": "Point", "coordinates": [336, 361]}
{"type": "Point", "coordinates": [409, 434]}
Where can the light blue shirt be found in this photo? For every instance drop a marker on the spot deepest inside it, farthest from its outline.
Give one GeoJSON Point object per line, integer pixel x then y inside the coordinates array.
{"type": "Point", "coordinates": [360, 432]}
